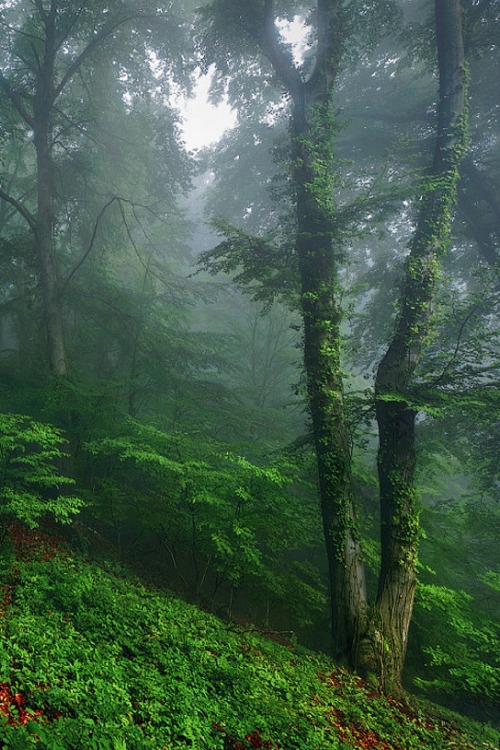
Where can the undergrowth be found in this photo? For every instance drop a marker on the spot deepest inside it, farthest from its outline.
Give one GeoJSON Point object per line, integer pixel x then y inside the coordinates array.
{"type": "Point", "coordinates": [92, 659]}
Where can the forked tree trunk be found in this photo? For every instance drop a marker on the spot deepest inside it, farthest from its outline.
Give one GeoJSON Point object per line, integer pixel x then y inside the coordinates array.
{"type": "Point", "coordinates": [395, 412]}
{"type": "Point", "coordinates": [373, 640]}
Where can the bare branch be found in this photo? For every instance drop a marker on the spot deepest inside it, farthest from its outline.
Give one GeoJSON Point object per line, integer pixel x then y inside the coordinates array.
{"type": "Point", "coordinates": [103, 210]}
{"type": "Point", "coordinates": [99, 38]}
{"type": "Point", "coordinates": [92, 240]}
{"type": "Point", "coordinates": [27, 215]}
{"type": "Point", "coordinates": [16, 101]}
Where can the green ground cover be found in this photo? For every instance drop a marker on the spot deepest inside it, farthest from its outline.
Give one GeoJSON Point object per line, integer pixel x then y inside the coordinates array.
{"type": "Point", "coordinates": [91, 658]}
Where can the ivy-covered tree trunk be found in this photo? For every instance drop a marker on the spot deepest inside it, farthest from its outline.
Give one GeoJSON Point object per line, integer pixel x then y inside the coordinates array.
{"type": "Point", "coordinates": [372, 639]}
{"type": "Point", "coordinates": [396, 413]}
{"type": "Point", "coordinates": [319, 253]}
{"type": "Point", "coordinates": [319, 260]}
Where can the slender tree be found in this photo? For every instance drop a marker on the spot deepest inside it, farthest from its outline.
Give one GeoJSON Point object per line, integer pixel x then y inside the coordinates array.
{"type": "Point", "coordinates": [396, 413]}
{"type": "Point", "coordinates": [45, 48]}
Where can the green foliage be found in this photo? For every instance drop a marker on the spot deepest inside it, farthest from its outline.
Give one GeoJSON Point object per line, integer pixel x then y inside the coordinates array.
{"type": "Point", "coordinates": [219, 511]}
{"type": "Point", "coordinates": [29, 478]}
{"type": "Point", "coordinates": [368, 22]}
{"type": "Point", "coordinates": [103, 663]}
{"type": "Point", "coordinates": [221, 517]}
{"type": "Point", "coordinates": [264, 267]}
{"type": "Point", "coordinates": [462, 644]}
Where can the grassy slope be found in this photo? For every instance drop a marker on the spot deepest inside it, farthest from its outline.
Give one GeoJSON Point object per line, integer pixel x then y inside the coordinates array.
{"type": "Point", "coordinates": [91, 658]}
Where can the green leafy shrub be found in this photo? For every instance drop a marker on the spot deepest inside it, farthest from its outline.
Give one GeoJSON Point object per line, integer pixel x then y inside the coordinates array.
{"type": "Point", "coordinates": [462, 643]}
{"type": "Point", "coordinates": [220, 516]}
{"type": "Point", "coordinates": [30, 481]}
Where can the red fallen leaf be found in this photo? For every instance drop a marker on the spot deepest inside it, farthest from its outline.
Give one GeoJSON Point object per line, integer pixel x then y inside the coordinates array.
{"type": "Point", "coordinates": [30, 543]}
{"type": "Point", "coordinates": [8, 701]}
{"type": "Point", "coordinates": [355, 735]}
{"type": "Point", "coordinates": [252, 740]}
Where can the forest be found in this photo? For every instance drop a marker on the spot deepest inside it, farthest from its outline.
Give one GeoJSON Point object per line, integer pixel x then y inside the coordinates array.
{"type": "Point", "coordinates": [249, 390]}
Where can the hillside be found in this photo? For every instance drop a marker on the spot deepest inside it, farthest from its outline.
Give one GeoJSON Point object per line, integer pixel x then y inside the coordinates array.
{"type": "Point", "coordinates": [92, 659]}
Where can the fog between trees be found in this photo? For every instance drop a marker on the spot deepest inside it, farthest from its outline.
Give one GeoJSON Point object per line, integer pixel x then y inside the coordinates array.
{"type": "Point", "coordinates": [285, 343]}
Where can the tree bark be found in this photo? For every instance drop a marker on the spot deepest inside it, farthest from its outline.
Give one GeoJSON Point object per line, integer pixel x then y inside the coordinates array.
{"type": "Point", "coordinates": [43, 223]}
{"type": "Point", "coordinates": [47, 261]}
{"type": "Point", "coordinates": [319, 258]}
{"type": "Point", "coordinates": [394, 409]}
{"type": "Point", "coordinates": [43, 102]}
{"type": "Point", "coordinates": [321, 311]}
{"type": "Point", "coordinates": [37, 111]}
{"type": "Point", "coordinates": [371, 639]}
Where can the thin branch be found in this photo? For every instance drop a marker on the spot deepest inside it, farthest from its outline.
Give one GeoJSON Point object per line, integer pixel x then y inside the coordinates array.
{"type": "Point", "coordinates": [20, 31]}
{"type": "Point", "coordinates": [141, 226]}
{"type": "Point", "coordinates": [29, 63]}
{"type": "Point", "coordinates": [92, 240]}
{"type": "Point", "coordinates": [132, 241]}
{"type": "Point", "coordinates": [27, 215]}
{"type": "Point", "coordinates": [103, 210]}
{"type": "Point", "coordinates": [453, 357]}
{"type": "Point", "coordinates": [106, 32]}
{"type": "Point", "coordinates": [79, 126]}
{"type": "Point", "coordinates": [146, 267]}
{"type": "Point", "coordinates": [16, 101]}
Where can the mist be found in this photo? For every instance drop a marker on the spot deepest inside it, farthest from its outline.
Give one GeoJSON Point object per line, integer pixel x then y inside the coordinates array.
{"type": "Point", "coordinates": [249, 318]}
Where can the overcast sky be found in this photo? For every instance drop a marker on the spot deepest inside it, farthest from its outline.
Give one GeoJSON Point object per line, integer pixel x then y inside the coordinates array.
{"type": "Point", "coordinates": [205, 123]}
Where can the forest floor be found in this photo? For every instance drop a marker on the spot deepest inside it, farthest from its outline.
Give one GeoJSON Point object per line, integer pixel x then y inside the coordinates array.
{"type": "Point", "coordinates": [91, 658]}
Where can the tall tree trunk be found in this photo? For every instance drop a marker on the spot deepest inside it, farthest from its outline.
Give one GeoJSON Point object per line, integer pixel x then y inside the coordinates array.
{"type": "Point", "coordinates": [38, 111]}
{"type": "Point", "coordinates": [395, 413]}
{"type": "Point", "coordinates": [47, 261]}
{"type": "Point", "coordinates": [321, 310]}
{"type": "Point", "coordinates": [43, 104]}
{"type": "Point", "coordinates": [319, 257]}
